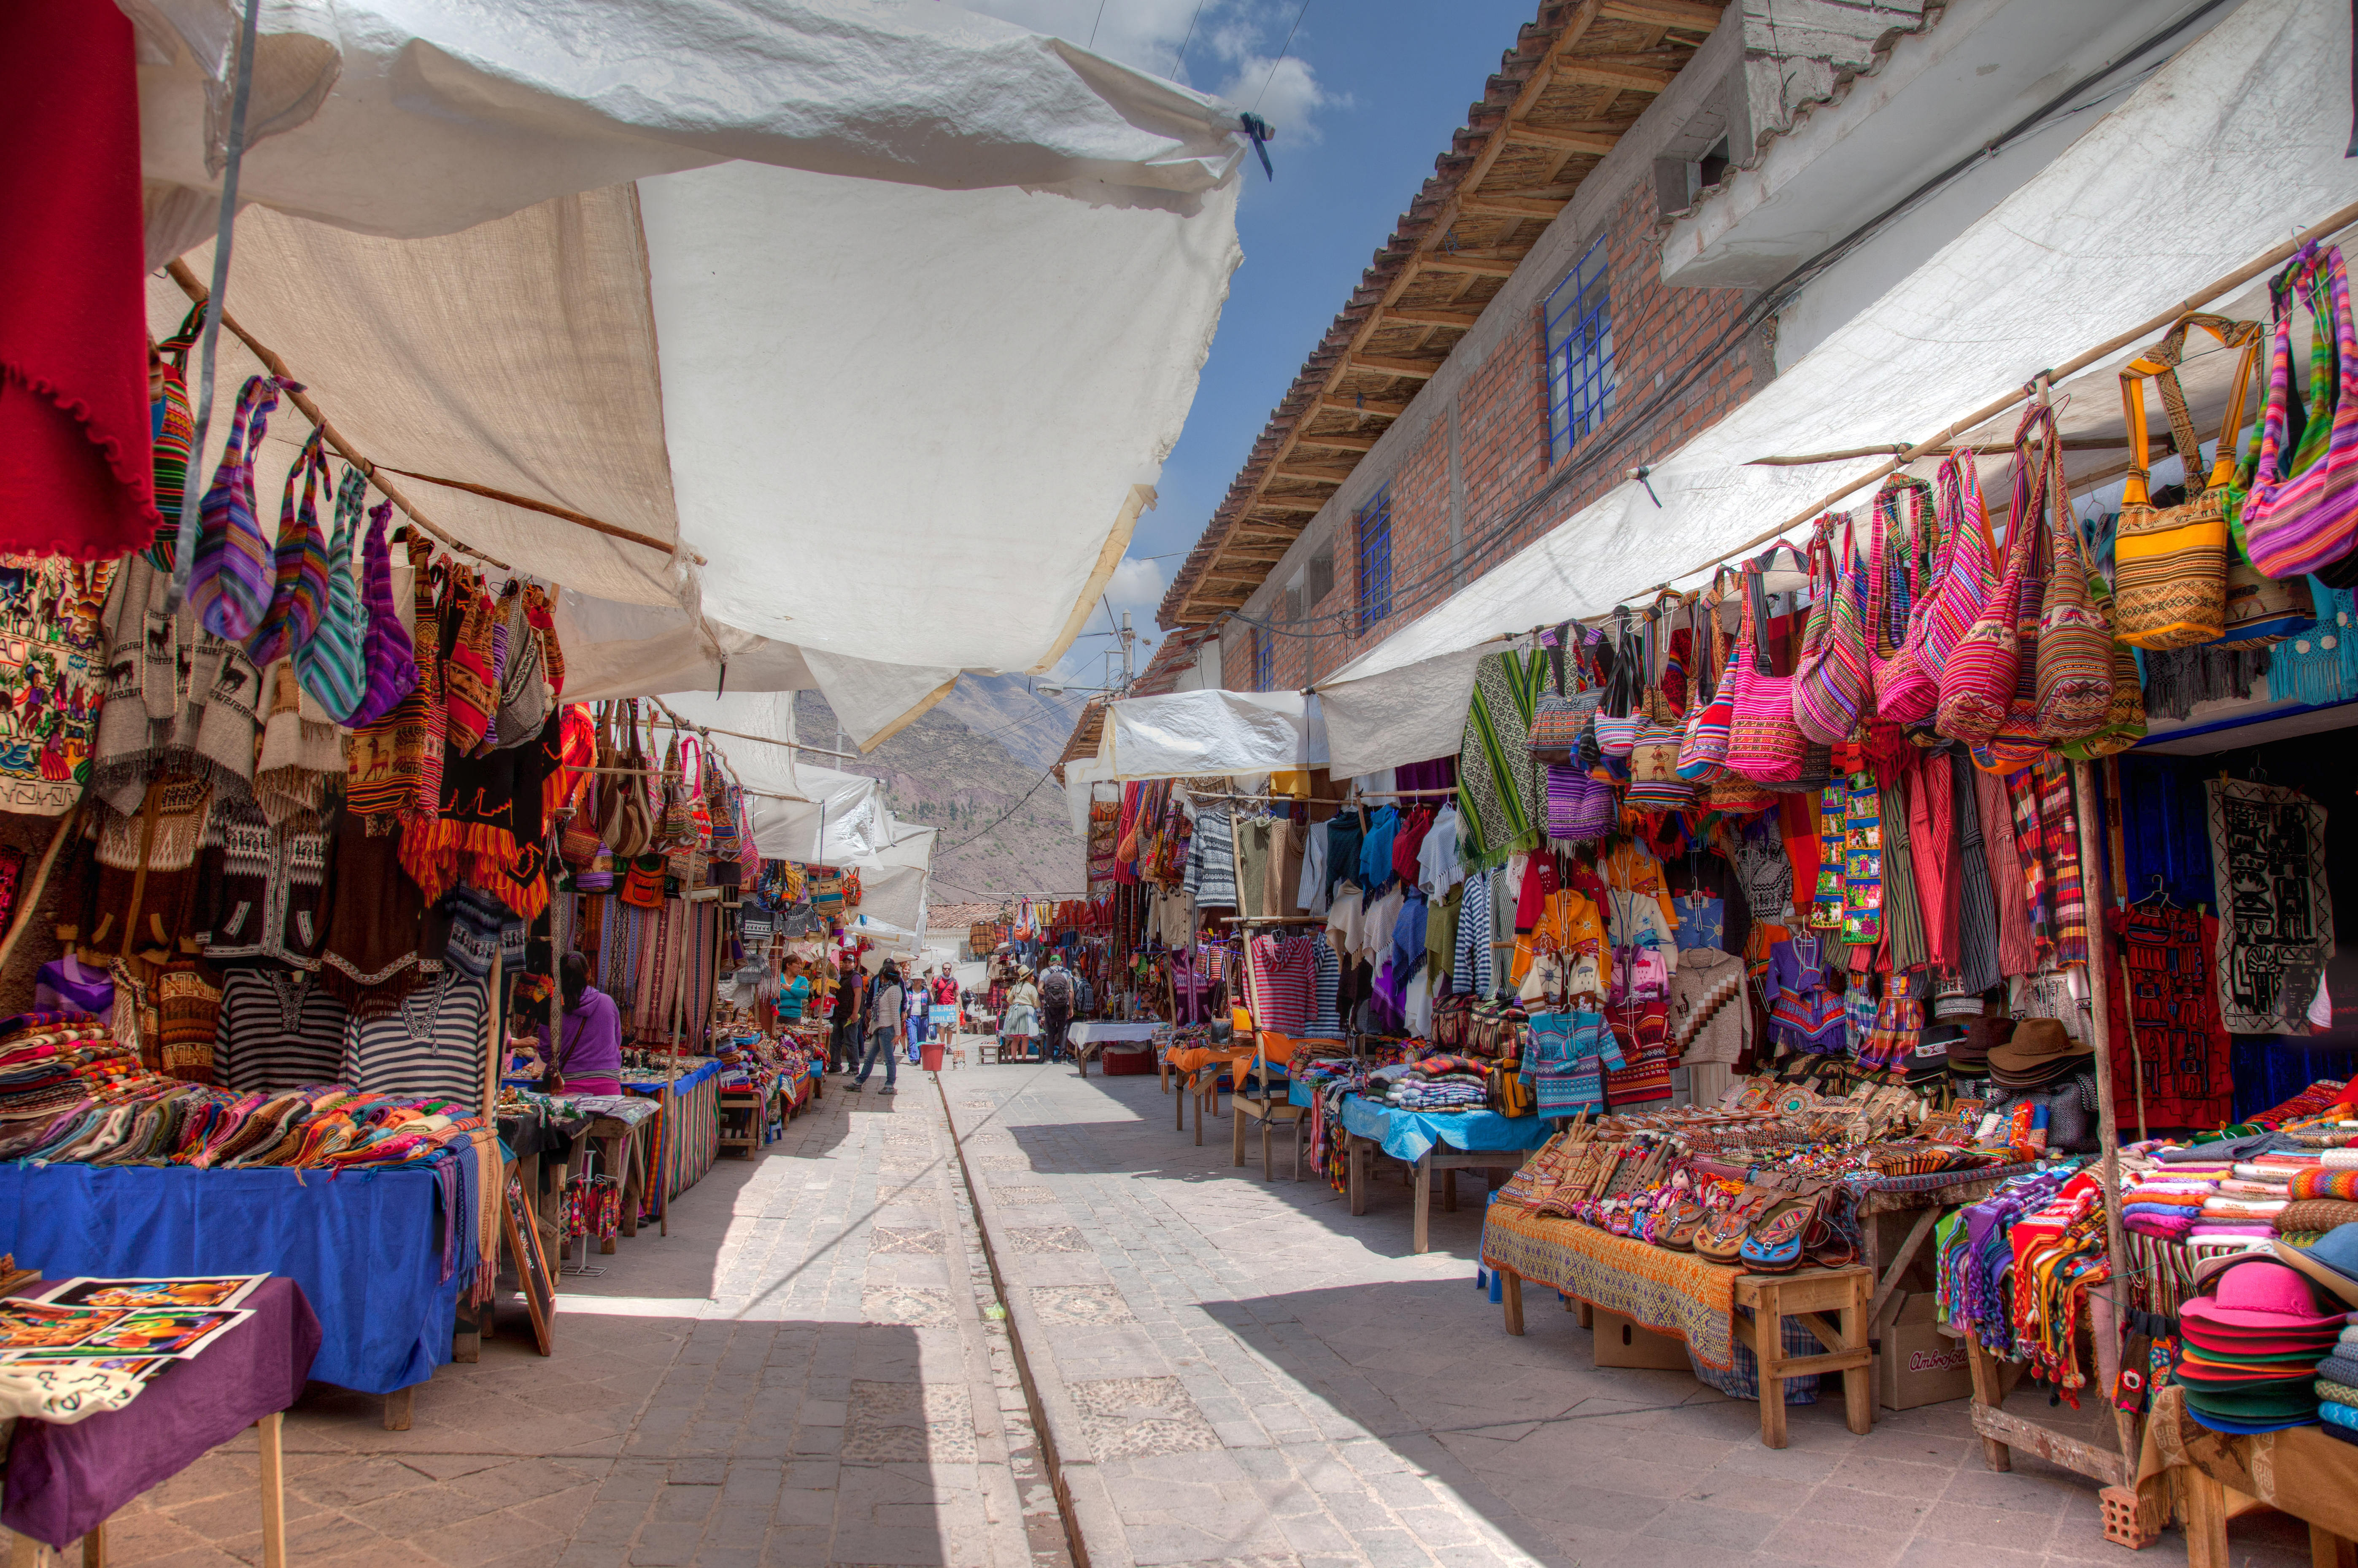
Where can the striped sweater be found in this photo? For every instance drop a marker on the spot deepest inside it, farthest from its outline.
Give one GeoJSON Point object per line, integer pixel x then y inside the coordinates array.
{"type": "Point", "coordinates": [278, 1030]}
{"type": "Point", "coordinates": [1710, 1019]}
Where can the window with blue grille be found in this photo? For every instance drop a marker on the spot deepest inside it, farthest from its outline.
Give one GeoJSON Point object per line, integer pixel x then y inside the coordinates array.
{"type": "Point", "coordinates": [1579, 353]}
{"type": "Point", "coordinates": [1372, 527]}
{"type": "Point", "coordinates": [1264, 655]}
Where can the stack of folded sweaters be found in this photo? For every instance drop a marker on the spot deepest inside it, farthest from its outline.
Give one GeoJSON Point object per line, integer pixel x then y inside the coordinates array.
{"type": "Point", "coordinates": [2337, 1388]}
{"type": "Point", "coordinates": [1434, 1083]}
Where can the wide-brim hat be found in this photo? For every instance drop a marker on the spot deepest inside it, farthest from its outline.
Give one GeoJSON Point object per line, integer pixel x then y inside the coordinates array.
{"type": "Point", "coordinates": [2290, 1399]}
{"type": "Point", "coordinates": [2261, 1294]}
{"type": "Point", "coordinates": [2035, 1042]}
{"type": "Point", "coordinates": [2330, 1261]}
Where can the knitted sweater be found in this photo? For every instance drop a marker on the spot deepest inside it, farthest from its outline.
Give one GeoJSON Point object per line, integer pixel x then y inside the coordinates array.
{"type": "Point", "coordinates": [1710, 1019]}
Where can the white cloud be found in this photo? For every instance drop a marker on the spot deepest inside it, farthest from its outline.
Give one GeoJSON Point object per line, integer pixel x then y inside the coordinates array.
{"type": "Point", "coordinates": [1135, 582]}
{"type": "Point", "coordinates": [1136, 586]}
{"type": "Point", "coordinates": [1227, 42]}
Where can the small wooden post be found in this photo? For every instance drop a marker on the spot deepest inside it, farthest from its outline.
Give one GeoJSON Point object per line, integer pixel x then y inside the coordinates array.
{"type": "Point", "coordinates": [274, 1489]}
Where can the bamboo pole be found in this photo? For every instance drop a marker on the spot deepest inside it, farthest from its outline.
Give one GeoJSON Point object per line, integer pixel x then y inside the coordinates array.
{"type": "Point", "coordinates": [2107, 1136]}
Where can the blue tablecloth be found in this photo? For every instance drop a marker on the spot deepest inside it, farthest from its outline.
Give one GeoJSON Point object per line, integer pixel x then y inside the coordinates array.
{"type": "Point", "coordinates": [705, 1068]}
{"type": "Point", "coordinates": [365, 1245]}
{"type": "Point", "coordinates": [1408, 1134]}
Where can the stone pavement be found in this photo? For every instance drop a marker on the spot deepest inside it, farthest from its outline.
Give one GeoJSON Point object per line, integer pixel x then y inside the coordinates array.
{"type": "Point", "coordinates": [1240, 1372]}
{"type": "Point", "coordinates": [802, 1372]}
{"type": "Point", "coordinates": [810, 1369]}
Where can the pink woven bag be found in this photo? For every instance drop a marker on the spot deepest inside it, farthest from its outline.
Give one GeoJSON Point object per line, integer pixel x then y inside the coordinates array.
{"type": "Point", "coordinates": [1763, 743]}
{"type": "Point", "coordinates": [1898, 573]}
{"type": "Point", "coordinates": [2302, 513]}
{"type": "Point", "coordinates": [1830, 678]}
{"type": "Point", "coordinates": [1978, 682]}
{"type": "Point", "coordinates": [1964, 574]}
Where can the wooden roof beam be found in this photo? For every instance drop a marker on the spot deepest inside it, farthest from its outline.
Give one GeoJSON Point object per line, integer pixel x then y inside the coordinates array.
{"type": "Point", "coordinates": [1418, 317]}
{"type": "Point", "coordinates": [1442, 261]}
{"type": "Point", "coordinates": [1687, 16]}
{"type": "Point", "coordinates": [1567, 140]}
{"type": "Point", "coordinates": [1419, 369]}
{"type": "Point", "coordinates": [1511, 207]}
{"type": "Point", "coordinates": [1309, 475]}
{"type": "Point", "coordinates": [1628, 78]}
{"type": "Point", "coordinates": [1341, 440]}
{"type": "Point", "coordinates": [1347, 405]}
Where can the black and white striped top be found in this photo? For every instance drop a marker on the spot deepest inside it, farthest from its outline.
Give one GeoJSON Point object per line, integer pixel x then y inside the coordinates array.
{"type": "Point", "coordinates": [277, 1029]}
{"type": "Point", "coordinates": [428, 1043]}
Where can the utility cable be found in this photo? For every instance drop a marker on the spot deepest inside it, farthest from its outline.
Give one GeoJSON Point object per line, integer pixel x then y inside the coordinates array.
{"type": "Point", "coordinates": [1281, 55]}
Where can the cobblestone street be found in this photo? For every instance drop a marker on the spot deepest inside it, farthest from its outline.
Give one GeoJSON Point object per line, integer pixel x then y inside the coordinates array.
{"type": "Point", "coordinates": [810, 1370]}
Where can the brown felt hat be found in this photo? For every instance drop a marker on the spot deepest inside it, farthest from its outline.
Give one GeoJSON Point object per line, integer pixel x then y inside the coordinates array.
{"type": "Point", "coordinates": [2037, 1043]}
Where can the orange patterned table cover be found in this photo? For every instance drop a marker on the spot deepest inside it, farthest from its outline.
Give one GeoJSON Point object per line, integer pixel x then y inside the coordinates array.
{"type": "Point", "coordinates": [1670, 1292]}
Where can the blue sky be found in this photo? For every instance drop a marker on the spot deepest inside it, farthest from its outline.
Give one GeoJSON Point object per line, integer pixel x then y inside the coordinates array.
{"type": "Point", "coordinates": [1363, 99]}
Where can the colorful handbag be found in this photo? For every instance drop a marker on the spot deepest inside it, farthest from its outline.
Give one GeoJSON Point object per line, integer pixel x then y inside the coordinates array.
{"type": "Point", "coordinates": [642, 887]}
{"type": "Point", "coordinates": [2302, 513]}
{"type": "Point", "coordinates": [1580, 805]}
{"type": "Point", "coordinates": [1762, 742]}
{"type": "Point", "coordinates": [1558, 717]}
{"type": "Point", "coordinates": [1616, 721]}
{"type": "Point", "coordinates": [1978, 681]}
{"type": "Point", "coordinates": [2260, 611]}
{"type": "Point", "coordinates": [2125, 722]}
{"type": "Point", "coordinates": [1703, 748]}
{"type": "Point", "coordinates": [2169, 563]}
{"type": "Point", "coordinates": [299, 592]}
{"type": "Point", "coordinates": [230, 580]}
{"type": "Point", "coordinates": [1964, 573]}
{"type": "Point", "coordinates": [676, 826]}
{"type": "Point", "coordinates": [624, 822]}
{"type": "Point", "coordinates": [388, 649]}
{"type": "Point", "coordinates": [2074, 671]}
{"type": "Point", "coordinates": [333, 663]}
{"type": "Point", "coordinates": [1830, 677]}
{"type": "Point", "coordinates": [1900, 553]}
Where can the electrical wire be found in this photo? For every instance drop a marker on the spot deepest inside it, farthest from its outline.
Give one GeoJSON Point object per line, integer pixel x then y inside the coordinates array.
{"type": "Point", "coordinates": [1770, 300]}
{"type": "Point", "coordinates": [1281, 56]}
{"type": "Point", "coordinates": [1093, 26]}
{"type": "Point", "coordinates": [1044, 774]}
{"type": "Point", "coordinates": [1180, 64]}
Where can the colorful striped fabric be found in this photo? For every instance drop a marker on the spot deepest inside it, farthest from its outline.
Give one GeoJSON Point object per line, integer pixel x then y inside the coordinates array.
{"type": "Point", "coordinates": [1497, 785]}
{"type": "Point", "coordinates": [332, 664]}
{"type": "Point", "coordinates": [174, 432]}
{"type": "Point", "coordinates": [1830, 678]}
{"type": "Point", "coordinates": [1763, 743]}
{"type": "Point", "coordinates": [1964, 573]}
{"type": "Point", "coordinates": [230, 581]}
{"type": "Point", "coordinates": [299, 592]}
{"type": "Point", "coordinates": [2302, 513]}
{"type": "Point", "coordinates": [389, 654]}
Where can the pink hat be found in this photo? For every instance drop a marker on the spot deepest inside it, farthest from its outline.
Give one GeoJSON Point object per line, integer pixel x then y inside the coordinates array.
{"type": "Point", "coordinates": [2257, 1295]}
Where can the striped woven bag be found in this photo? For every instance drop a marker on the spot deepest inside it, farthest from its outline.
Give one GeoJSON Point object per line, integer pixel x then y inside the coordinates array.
{"type": "Point", "coordinates": [388, 653]}
{"type": "Point", "coordinates": [334, 664]}
{"type": "Point", "coordinates": [1703, 748]}
{"type": "Point", "coordinates": [2169, 563]}
{"type": "Point", "coordinates": [2302, 513]}
{"type": "Point", "coordinates": [300, 590]}
{"type": "Point", "coordinates": [230, 580]}
{"type": "Point", "coordinates": [2073, 668]}
{"type": "Point", "coordinates": [1900, 549]}
{"type": "Point", "coordinates": [1964, 573]}
{"type": "Point", "coordinates": [1979, 680]}
{"type": "Point", "coordinates": [1830, 678]}
{"type": "Point", "coordinates": [1763, 744]}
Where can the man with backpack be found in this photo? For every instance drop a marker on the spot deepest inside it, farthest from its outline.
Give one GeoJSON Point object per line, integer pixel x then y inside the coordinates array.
{"type": "Point", "coordinates": [1056, 993]}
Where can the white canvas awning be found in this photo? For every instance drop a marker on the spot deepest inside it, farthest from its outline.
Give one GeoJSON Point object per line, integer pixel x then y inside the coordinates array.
{"type": "Point", "coordinates": [1211, 731]}
{"type": "Point", "coordinates": [2247, 127]}
{"type": "Point", "coordinates": [750, 285]}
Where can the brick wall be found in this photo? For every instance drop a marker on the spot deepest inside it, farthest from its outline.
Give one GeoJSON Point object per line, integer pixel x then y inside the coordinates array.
{"type": "Point", "coordinates": [1502, 443]}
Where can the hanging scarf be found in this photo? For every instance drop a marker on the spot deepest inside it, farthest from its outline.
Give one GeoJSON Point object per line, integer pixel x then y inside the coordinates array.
{"type": "Point", "coordinates": [1498, 787]}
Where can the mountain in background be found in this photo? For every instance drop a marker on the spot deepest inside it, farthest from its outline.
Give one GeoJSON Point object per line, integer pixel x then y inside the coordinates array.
{"type": "Point", "coordinates": [981, 754]}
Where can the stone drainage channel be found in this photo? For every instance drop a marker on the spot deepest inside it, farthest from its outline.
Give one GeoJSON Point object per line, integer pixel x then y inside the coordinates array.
{"type": "Point", "coordinates": [1050, 1525]}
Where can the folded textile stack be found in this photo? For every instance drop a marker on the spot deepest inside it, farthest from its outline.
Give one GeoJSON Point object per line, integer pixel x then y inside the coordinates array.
{"type": "Point", "coordinates": [2337, 1388]}
{"type": "Point", "coordinates": [1455, 1092]}
{"type": "Point", "coordinates": [2251, 1194]}
{"type": "Point", "coordinates": [2252, 1346]}
{"type": "Point", "coordinates": [2165, 1201]}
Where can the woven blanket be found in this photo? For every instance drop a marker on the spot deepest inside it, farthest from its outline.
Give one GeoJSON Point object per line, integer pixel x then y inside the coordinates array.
{"type": "Point", "coordinates": [1670, 1292]}
{"type": "Point", "coordinates": [1498, 796]}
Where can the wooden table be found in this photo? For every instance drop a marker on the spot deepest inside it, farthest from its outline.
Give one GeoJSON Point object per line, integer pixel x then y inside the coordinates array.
{"type": "Point", "coordinates": [270, 1482]}
{"type": "Point", "coordinates": [1830, 1302]}
{"type": "Point", "coordinates": [2213, 1476]}
{"type": "Point", "coordinates": [1359, 1154]}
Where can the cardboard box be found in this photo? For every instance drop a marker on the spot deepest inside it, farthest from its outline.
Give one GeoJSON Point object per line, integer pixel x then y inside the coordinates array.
{"type": "Point", "coordinates": [1621, 1343]}
{"type": "Point", "coordinates": [1918, 1365]}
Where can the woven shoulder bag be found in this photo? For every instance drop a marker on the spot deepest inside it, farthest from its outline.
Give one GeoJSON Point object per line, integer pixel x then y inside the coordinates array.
{"type": "Point", "coordinates": [1830, 677]}
{"type": "Point", "coordinates": [332, 664]}
{"type": "Point", "coordinates": [1965, 571]}
{"type": "Point", "coordinates": [2072, 673]}
{"type": "Point", "coordinates": [1558, 717]}
{"type": "Point", "coordinates": [1703, 748]}
{"type": "Point", "coordinates": [1979, 679]}
{"type": "Point", "coordinates": [2125, 722]}
{"type": "Point", "coordinates": [1617, 715]}
{"type": "Point", "coordinates": [1901, 547]}
{"type": "Point", "coordinates": [230, 581]}
{"type": "Point", "coordinates": [2169, 563]}
{"type": "Point", "coordinates": [1762, 742]}
{"type": "Point", "coordinates": [300, 587]}
{"type": "Point", "coordinates": [2302, 513]}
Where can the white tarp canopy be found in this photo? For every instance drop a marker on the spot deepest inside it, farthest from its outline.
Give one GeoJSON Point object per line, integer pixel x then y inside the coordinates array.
{"type": "Point", "coordinates": [2247, 127]}
{"type": "Point", "coordinates": [842, 822]}
{"type": "Point", "coordinates": [1211, 731]}
{"type": "Point", "coordinates": [753, 285]}
{"type": "Point", "coordinates": [765, 768]}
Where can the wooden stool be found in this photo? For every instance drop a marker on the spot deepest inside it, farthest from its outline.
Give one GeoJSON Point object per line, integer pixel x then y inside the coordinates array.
{"type": "Point", "coordinates": [1808, 1294]}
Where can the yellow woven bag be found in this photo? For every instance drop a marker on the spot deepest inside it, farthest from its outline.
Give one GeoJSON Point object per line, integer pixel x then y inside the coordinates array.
{"type": "Point", "coordinates": [2170, 574]}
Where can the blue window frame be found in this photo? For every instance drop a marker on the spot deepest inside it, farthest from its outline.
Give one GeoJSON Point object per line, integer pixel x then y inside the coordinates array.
{"type": "Point", "coordinates": [1371, 528]}
{"type": "Point", "coordinates": [1264, 653]}
{"type": "Point", "coordinates": [1579, 312]}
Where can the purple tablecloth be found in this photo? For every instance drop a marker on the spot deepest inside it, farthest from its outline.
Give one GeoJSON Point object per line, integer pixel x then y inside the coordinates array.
{"type": "Point", "coordinates": [64, 1480]}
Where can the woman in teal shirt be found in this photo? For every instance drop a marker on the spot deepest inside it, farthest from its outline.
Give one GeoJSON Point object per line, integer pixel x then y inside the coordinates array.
{"type": "Point", "coordinates": [794, 991]}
